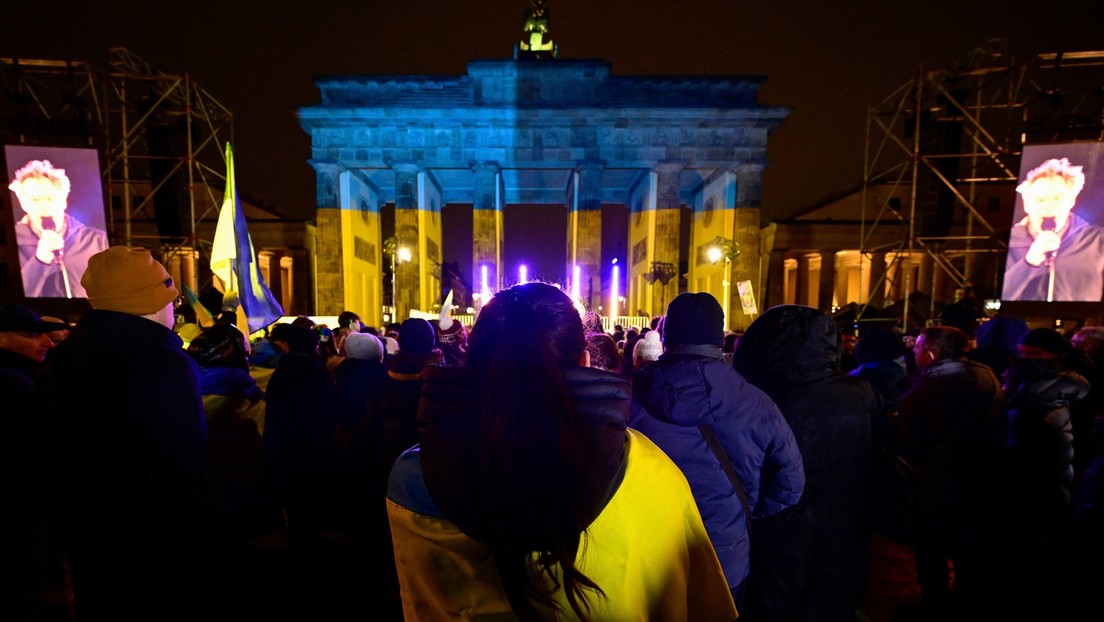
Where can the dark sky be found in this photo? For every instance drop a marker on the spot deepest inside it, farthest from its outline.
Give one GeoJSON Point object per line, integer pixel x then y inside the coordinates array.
{"type": "Point", "coordinates": [826, 60]}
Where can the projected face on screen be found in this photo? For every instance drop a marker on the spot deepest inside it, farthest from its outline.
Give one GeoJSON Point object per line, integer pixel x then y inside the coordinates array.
{"type": "Point", "coordinates": [54, 239]}
{"type": "Point", "coordinates": [1056, 249]}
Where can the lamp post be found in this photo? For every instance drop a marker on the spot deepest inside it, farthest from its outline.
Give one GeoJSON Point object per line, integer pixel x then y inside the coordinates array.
{"type": "Point", "coordinates": [398, 254]}
{"type": "Point", "coordinates": [663, 272]}
{"type": "Point", "coordinates": [724, 248]}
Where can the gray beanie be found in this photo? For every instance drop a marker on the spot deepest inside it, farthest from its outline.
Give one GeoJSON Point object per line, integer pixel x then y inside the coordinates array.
{"type": "Point", "coordinates": [363, 346]}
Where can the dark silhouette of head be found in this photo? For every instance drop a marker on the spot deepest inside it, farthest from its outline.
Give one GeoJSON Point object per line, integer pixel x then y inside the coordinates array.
{"type": "Point", "coordinates": [523, 340]}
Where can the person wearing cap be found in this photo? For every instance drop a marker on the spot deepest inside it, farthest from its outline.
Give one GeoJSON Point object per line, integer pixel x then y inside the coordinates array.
{"type": "Point", "coordinates": [811, 563]}
{"type": "Point", "coordinates": [24, 345]}
{"type": "Point", "coordinates": [688, 393]}
{"type": "Point", "coordinates": [133, 478]}
{"type": "Point", "coordinates": [54, 246]}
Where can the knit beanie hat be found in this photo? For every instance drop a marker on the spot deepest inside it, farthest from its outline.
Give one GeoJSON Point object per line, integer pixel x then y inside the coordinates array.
{"type": "Point", "coordinates": [693, 318]}
{"type": "Point", "coordinates": [363, 346]}
{"type": "Point", "coordinates": [416, 336]}
{"type": "Point", "coordinates": [128, 281]}
{"type": "Point", "coordinates": [1047, 339]}
{"type": "Point", "coordinates": [648, 348]}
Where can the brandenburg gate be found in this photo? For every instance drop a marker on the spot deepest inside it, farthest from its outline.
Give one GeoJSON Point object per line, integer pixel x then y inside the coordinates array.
{"type": "Point", "coordinates": [536, 129]}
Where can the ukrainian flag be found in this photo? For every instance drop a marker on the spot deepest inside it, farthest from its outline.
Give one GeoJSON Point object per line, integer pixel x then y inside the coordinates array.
{"type": "Point", "coordinates": [234, 261]}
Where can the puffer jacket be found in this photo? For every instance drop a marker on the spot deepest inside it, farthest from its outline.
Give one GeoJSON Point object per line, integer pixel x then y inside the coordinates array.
{"type": "Point", "coordinates": [691, 385]}
{"type": "Point", "coordinates": [811, 565]}
{"type": "Point", "coordinates": [1040, 433]}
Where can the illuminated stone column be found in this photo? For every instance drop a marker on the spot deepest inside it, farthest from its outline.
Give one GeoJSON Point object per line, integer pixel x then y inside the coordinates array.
{"type": "Point", "coordinates": [876, 292]}
{"type": "Point", "coordinates": [487, 225]}
{"type": "Point", "coordinates": [329, 276]}
{"type": "Point", "coordinates": [407, 284]}
{"type": "Point", "coordinates": [746, 232]}
{"type": "Point", "coordinates": [827, 291]}
{"type": "Point", "coordinates": [665, 254]}
{"type": "Point", "coordinates": [584, 231]}
{"type": "Point", "coordinates": [802, 289]}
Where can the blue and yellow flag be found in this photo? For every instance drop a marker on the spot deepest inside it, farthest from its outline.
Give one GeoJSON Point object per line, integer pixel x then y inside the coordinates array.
{"type": "Point", "coordinates": [234, 261]}
{"type": "Point", "coordinates": [203, 315]}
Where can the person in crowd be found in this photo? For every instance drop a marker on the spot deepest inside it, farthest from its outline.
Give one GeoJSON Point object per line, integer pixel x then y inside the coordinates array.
{"type": "Point", "coordinates": [300, 422]}
{"type": "Point", "coordinates": [627, 349]}
{"type": "Point", "coordinates": [388, 428]}
{"type": "Point", "coordinates": [949, 429]}
{"type": "Point", "coordinates": [452, 337]}
{"type": "Point", "coordinates": [1038, 476]}
{"type": "Point", "coordinates": [528, 498]}
{"type": "Point", "coordinates": [848, 339]}
{"type": "Point", "coordinates": [393, 402]}
{"type": "Point", "coordinates": [603, 352]}
{"type": "Point", "coordinates": [361, 368]}
{"type": "Point", "coordinates": [1085, 573]}
{"type": "Point", "coordinates": [54, 246]}
{"type": "Point", "coordinates": [361, 371]}
{"type": "Point", "coordinates": [880, 354]}
{"type": "Point", "coordinates": [1054, 253]}
{"type": "Point", "coordinates": [59, 334]}
{"type": "Point", "coordinates": [810, 563]}
{"type": "Point", "coordinates": [690, 393]}
{"type": "Point", "coordinates": [347, 323]}
{"type": "Point", "coordinates": [24, 345]}
{"type": "Point", "coordinates": [996, 340]}
{"type": "Point", "coordinates": [1090, 339]}
{"type": "Point", "coordinates": [132, 473]}
{"type": "Point", "coordinates": [880, 358]}
{"type": "Point", "coordinates": [234, 406]}
{"type": "Point", "coordinates": [647, 350]}
{"type": "Point", "coordinates": [1088, 413]}
{"type": "Point", "coordinates": [729, 346]}
{"type": "Point", "coordinates": [264, 356]}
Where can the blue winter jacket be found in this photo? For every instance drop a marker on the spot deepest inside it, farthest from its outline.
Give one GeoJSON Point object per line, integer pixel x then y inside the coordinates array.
{"type": "Point", "coordinates": [691, 385]}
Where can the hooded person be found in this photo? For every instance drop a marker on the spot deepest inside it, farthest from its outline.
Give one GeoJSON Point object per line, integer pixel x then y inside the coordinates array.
{"type": "Point", "coordinates": [811, 564]}
{"type": "Point", "coordinates": [690, 394]}
{"type": "Point", "coordinates": [132, 467]}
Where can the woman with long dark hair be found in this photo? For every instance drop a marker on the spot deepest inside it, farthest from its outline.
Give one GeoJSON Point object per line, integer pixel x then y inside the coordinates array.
{"type": "Point", "coordinates": [528, 498]}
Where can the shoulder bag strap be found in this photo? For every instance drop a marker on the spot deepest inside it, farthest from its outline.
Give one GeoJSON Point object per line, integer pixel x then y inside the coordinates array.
{"type": "Point", "coordinates": [729, 470]}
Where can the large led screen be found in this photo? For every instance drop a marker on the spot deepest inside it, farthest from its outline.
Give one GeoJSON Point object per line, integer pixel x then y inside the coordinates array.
{"type": "Point", "coordinates": [58, 209]}
{"type": "Point", "coordinates": [1056, 244]}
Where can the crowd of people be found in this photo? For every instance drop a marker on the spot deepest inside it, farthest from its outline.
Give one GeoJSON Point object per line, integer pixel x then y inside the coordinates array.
{"type": "Point", "coordinates": [538, 466]}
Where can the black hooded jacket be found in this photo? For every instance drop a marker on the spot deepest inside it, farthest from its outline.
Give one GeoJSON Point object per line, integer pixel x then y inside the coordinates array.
{"type": "Point", "coordinates": [811, 566]}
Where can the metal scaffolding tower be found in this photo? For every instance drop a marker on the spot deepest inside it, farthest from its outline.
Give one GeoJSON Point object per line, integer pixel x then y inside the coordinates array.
{"type": "Point", "coordinates": [161, 139]}
{"type": "Point", "coordinates": [164, 163]}
{"type": "Point", "coordinates": [943, 152]}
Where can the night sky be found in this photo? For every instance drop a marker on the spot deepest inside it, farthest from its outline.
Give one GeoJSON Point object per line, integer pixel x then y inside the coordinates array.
{"type": "Point", "coordinates": [827, 61]}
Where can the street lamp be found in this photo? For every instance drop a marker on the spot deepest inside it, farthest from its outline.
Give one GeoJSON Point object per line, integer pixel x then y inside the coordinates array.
{"type": "Point", "coordinates": [398, 254]}
{"type": "Point", "coordinates": [724, 248]}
